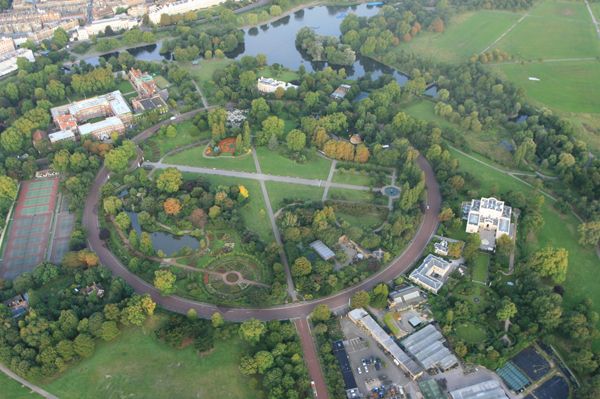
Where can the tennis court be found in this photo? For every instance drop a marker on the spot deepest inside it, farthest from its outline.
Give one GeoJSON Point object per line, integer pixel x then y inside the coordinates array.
{"type": "Point", "coordinates": [29, 229]}
{"type": "Point", "coordinates": [63, 226]}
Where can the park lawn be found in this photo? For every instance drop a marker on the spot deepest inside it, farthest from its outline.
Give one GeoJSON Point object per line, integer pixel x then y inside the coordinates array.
{"type": "Point", "coordinates": [204, 70]}
{"type": "Point", "coordinates": [554, 29]}
{"type": "Point", "coordinates": [274, 162]}
{"type": "Point", "coordinates": [365, 220]}
{"type": "Point", "coordinates": [125, 86]}
{"type": "Point", "coordinates": [480, 268]}
{"type": "Point", "coordinates": [285, 74]}
{"type": "Point", "coordinates": [138, 365]}
{"type": "Point", "coordinates": [357, 178]}
{"type": "Point", "coordinates": [465, 35]}
{"type": "Point", "coordinates": [161, 82]}
{"type": "Point", "coordinates": [195, 157]}
{"type": "Point", "coordinates": [469, 332]}
{"type": "Point", "coordinates": [157, 146]}
{"type": "Point", "coordinates": [11, 389]}
{"type": "Point", "coordinates": [486, 142]}
{"type": "Point", "coordinates": [558, 230]}
{"type": "Point", "coordinates": [278, 192]}
{"type": "Point", "coordinates": [350, 195]}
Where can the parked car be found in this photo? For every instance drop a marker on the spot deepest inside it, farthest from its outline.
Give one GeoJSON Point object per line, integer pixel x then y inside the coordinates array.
{"type": "Point", "coordinates": [359, 370]}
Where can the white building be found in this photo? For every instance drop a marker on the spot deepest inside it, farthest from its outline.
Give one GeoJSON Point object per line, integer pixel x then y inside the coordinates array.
{"type": "Point", "coordinates": [179, 7]}
{"type": "Point", "coordinates": [490, 218]}
{"type": "Point", "coordinates": [61, 135]}
{"type": "Point", "coordinates": [116, 23]}
{"type": "Point", "coordinates": [8, 61]}
{"type": "Point", "coordinates": [268, 85]}
{"type": "Point", "coordinates": [432, 273]}
{"type": "Point", "coordinates": [489, 389]}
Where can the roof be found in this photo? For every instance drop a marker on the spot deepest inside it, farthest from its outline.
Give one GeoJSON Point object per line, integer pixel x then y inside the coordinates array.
{"type": "Point", "coordinates": [406, 296]}
{"type": "Point", "coordinates": [342, 357]}
{"type": "Point", "coordinates": [110, 122]}
{"type": "Point", "coordinates": [490, 389]}
{"type": "Point", "coordinates": [513, 377]}
{"type": "Point", "coordinates": [323, 250]}
{"type": "Point", "coordinates": [431, 390]}
{"type": "Point", "coordinates": [426, 274]}
{"type": "Point", "coordinates": [61, 135]}
{"type": "Point", "coordinates": [427, 346]}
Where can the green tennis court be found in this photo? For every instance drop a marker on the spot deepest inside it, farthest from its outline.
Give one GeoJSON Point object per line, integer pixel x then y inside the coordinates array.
{"type": "Point", "coordinates": [41, 184]}
{"type": "Point", "coordinates": [36, 201]}
{"type": "Point", "coordinates": [34, 210]}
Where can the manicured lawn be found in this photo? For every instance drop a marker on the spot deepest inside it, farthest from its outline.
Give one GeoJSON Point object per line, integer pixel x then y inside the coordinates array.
{"type": "Point", "coordinates": [280, 191]}
{"type": "Point", "coordinates": [564, 86]}
{"type": "Point", "coordinates": [558, 230]}
{"type": "Point", "coordinates": [285, 75]}
{"type": "Point", "coordinates": [554, 29]}
{"type": "Point", "coordinates": [253, 212]}
{"type": "Point", "coordinates": [350, 195]}
{"type": "Point", "coordinates": [125, 86]}
{"type": "Point", "coordinates": [471, 333]}
{"type": "Point", "coordinates": [274, 162]}
{"type": "Point", "coordinates": [357, 178]}
{"type": "Point", "coordinates": [194, 157]}
{"type": "Point", "coordinates": [161, 82]}
{"type": "Point", "coordinates": [11, 389]}
{"type": "Point", "coordinates": [480, 267]}
{"type": "Point", "coordinates": [137, 365]}
{"type": "Point", "coordinates": [187, 133]}
{"type": "Point", "coordinates": [366, 220]}
{"type": "Point", "coordinates": [203, 72]}
{"type": "Point", "coordinates": [466, 34]}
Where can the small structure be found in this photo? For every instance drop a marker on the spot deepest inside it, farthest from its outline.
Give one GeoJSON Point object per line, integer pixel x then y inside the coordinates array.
{"type": "Point", "coordinates": [405, 297]}
{"type": "Point", "coordinates": [414, 321]}
{"type": "Point", "coordinates": [349, 382]}
{"type": "Point", "coordinates": [93, 289]}
{"type": "Point", "coordinates": [362, 319]}
{"type": "Point", "coordinates": [441, 248]}
{"type": "Point", "coordinates": [18, 305]}
{"type": "Point", "coordinates": [427, 346]}
{"type": "Point", "coordinates": [432, 273]}
{"type": "Point", "coordinates": [39, 139]}
{"type": "Point", "coordinates": [489, 389]}
{"type": "Point", "coordinates": [356, 139]}
{"type": "Point", "coordinates": [490, 218]}
{"type": "Point", "coordinates": [268, 85]}
{"type": "Point", "coordinates": [341, 92]}
{"type": "Point", "coordinates": [431, 390]}
{"type": "Point", "coordinates": [46, 173]}
{"type": "Point", "coordinates": [514, 378]}
{"type": "Point", "coordinates": [323, 250]}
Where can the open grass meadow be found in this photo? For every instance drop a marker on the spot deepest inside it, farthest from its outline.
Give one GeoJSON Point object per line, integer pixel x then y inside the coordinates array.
{"type": "Point", "coordinates": [356, 178]}
{"type": "Point", "coordinates": [558, 230]}
{"type": "Point", "coordinates": [11, 389]}
{"type": "Point", "coordinates": [480, 268]}
{"type": "Point", "coordinates": [345, 194]}
{"type": "Point", "coordinates": [157, 146]}
{"type": "Point", "coordinates": [138, 365]}
{"type": "Point", "coordinates": [274, 162]}
{"type": "Point", "coordinates": [278, 192]}
{"type": "Point", "coordinates": [366, 220]}
{"type": "Point", "coordinates": [253, 212]}
{"type": "Point", "coordinates": [194, 157]}
{"type": "Point", "coordinates": [466, 34]}
{"type": "Point", "coordinates": [553, 29]}
{"type": "Point", "coordinates": [204, 70]}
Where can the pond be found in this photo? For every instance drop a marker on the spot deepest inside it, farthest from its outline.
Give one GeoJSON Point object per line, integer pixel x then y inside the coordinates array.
{"type": "Point", "coordinates": [166, 242]}
{"type": "Point", "coordinates": [277, 41]}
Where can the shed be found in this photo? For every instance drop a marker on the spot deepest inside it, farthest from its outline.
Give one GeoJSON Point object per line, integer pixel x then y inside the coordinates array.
{"type": "Point", "coordinates": [323, 250]}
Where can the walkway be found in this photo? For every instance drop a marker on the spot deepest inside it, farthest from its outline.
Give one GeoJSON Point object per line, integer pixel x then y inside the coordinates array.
{"type": "Point", "coordinates": [34, 388]}
{"type": "Point", "coordinates": [311, 358]}
{"type": "Point", "coordinates": [204, 102]}
{"type": "Point", "coordinates": [288, 275]}
{"type": "Point", "coordinates": [328, 182]}
{"type": "Point", "coordinates": [506, 32]}
{"type": "Point", "coordinates": [258, 176]}
{"type": "Point", "coordinates": [594, 20]}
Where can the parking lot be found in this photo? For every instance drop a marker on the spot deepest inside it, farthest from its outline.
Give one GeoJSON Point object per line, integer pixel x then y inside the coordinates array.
{"type": "Point", "coordinates": [360, 346]}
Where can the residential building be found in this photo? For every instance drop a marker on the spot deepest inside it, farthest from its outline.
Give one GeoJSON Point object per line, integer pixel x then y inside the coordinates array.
{"type": "Point", "coordinates": [8, 61]}
{"type": "Point", "coordinates": [362, 319]}
{"type": "Point", "coordinates": [427, 346]}
{"type": "Point", "coordinates": [489, 389]}
{"type": "Point", "coordinates": [341, 92]}
{"type": "Point", "coordinates": [323, 250]}
{"type": "Point", "coordinates": [23, 22]}
{"type": "Point", "coordinates": [93, 289]}
{"type": "Point", "coordinates": [116, 23]}
{"type": "Point", "coordinates": [268, 85]}
{"type": "Point", "coordinates": [7, 45]}
{"type": "Point", "coordinates": [142, 82]}
{"type": "Point", "coordinates": [490, 218]}
{"type": "Point", "coordinates": [18, 305]}
{"type": "Point", "coordinates": [178, 7]}
{"type": "Point", "coordinates": [432, 273]}
{"type": "Point", "coordinates": [149, 95]}
{"type": "Point", "coordinates": [441, 247]}
{"type": "Point", "coordinates": [405, 297]}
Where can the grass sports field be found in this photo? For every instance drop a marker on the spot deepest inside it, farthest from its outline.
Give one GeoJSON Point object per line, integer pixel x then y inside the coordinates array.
{"type": "Point", "coordinates": [558, 230]}
{"type": "Point", "coordinates": [120, 369]}
{"type": "Point", "coordinates": [458, 43]}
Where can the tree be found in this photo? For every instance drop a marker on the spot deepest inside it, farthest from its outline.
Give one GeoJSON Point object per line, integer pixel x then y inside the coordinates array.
{"type": "Point", "coordinates": [301, 267]}
{"type": "Point", "coordinates": [192, 314]}
{"type": "Point", "coordinates": [471, 246]}
{"type": "Point", "coordinates": [504, 244]}
{"type": "Point", "coordinates": [273, 126]}
{"type": "Point", "coordinates": [172, 206]}
{"type": "Point", "coordinates": [264, 361]}
{"type": "Point", "coordinates": [252, 330]}
{"type": "Point", "coordinates": [361, 154]}
{"type": "Point", "coordinates": [216, 121]}
{"type": "Point", "coordinates": [321, 313]}
{"type": "Point", "coordinates": [60, 38]}
{"type": "Point", "coordinates": [380, 295]}
{"type": "Point", "coordinates": [214, 211]}
{"type": "Point", "coordinates": [217, 320]}
{"type": "Point", "coordinates": [169, 181]}
{"type": "Point", "coordinates": [446, 214]}
{"type": "Point", "coordinates": [248, 365]}
{"type": "Point", "coordinates": [171, 132]}
{"type": "Point", "coordinates": [8, 188]}
{"type": "Point", "coordinates": [296, 140]}
{"type": "Point", "coordinates": [117, 160]}
{"type": "Point", "coordinates": [84, 345]}
{"type": "Point", "coordinates": [360, 299]}
{"type": "Point", "coordinates": [123, 221]}
{"type": "Point", "coordinates": [164, 280]}
{"type": "Point", "coordinates": [109, 330]}
{"type": "Point", "coordinates": [112, 205]}
{"type": "Point", "coordinates": [146, 245]}
{"type": "Point", "coordinates": [550, 262]}
{"type": "Point", "coordinates": [506, 311]}
{"type": "Point", "coordinates": [589, 233]}
{"type": "Point", "coordinates": [198, 218]}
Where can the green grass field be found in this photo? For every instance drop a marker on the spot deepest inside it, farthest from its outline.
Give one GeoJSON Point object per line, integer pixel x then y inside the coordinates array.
{"type": "Point", "coordinates": [253, 213]}
{"type": "Point", "coordinates": [124, 86]}
{"type": "Point", "coordinates": [366, 220]}
{"type": "Point", "coordinates": [559, 230]}
{"type": "Point", "coordinates": [356, 178]}
{"type": "Point", "coordinates": [194, 157]}
{"type": "Point", "coordinates": [157, 146]}
{"type": "Point", "coordinates": [203, 72]}
{"type": "Point", "coordinates": [471, 333]}
{"type": "Point", "coordinates": [137, 365]}
{"type": "Point", "coordinates": [459, 42]}
{"type": "Point", "coordinates": [554, 29]}
{"type": "Point", "coordinates": [11, 389]}
{"type": "Point", "coordinates": [285, 75]}
{"type": "Point", "coordinates": [388, 319]}
{"type": "Point", "coordinates": [275, 163]}
{"type": "Point", "coordinates": [480, 267]}
{"type": "Point", "coordinates": [350, 195]}
{"type": "Point", "coordinates": [280, 191]}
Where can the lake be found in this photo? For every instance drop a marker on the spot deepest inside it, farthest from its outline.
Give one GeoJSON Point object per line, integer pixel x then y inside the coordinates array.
{"type": "Point", "coordinates": [166, 242]}
{"type": "Point", "coordinates": [277, 41]}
